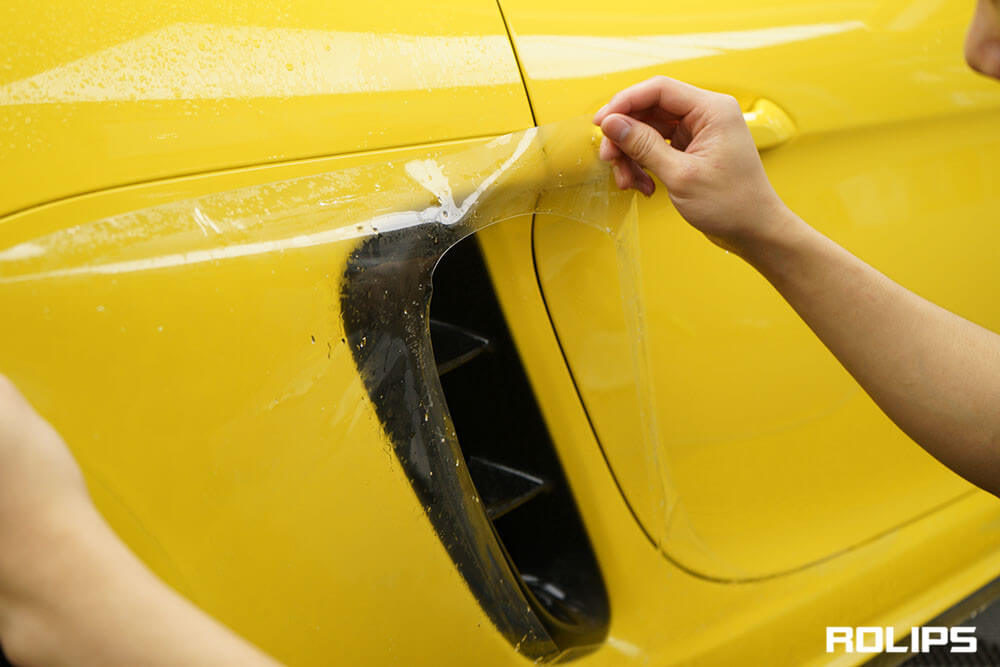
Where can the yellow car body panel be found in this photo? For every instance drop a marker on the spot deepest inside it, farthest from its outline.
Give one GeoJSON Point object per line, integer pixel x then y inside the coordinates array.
{"type": "Point", "coordinates": [227, 435]}
{"type": "Point", "coordinates": [663, 614]}
{"type": "Point", "coordinates": [218, 416]}
{"type": "Point", "coordinates": [764, 437]}
{"type": "Point", "coordinates": [223, 429]}
{"type": "Point", "coordinates": [99, 96]}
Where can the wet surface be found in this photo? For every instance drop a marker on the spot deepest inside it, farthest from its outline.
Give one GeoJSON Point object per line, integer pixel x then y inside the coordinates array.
{"type": "Point", "coordinates": [385, 298]}
{"type": "Point", "coordinates": [383, 226]}
{"type": "Point", "coordinates": [385, 301]}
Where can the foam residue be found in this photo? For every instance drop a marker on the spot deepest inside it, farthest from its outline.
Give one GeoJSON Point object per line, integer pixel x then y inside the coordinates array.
{"type": "Point", "coordinates": [191, 61]}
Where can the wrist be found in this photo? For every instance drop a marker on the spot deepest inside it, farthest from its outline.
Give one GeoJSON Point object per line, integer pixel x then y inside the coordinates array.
{"type": "Point", "coordinates": [775, 230]}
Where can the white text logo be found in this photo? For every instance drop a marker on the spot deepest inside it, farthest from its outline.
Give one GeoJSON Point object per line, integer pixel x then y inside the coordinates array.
{"type": "Point", "coordinates": [873, 639]}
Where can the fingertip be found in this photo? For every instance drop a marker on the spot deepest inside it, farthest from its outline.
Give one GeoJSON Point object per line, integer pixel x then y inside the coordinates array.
{"type": "Point", "coordinates": [617, 172]}
{"type": "Point", "coordinates": [623, 174]}
{"type": "Point", "coordinates": [625, 168]}
{"type": "Point", "coordinates": [643, 181]}
{"type": "Point", "coordinates": [643, 185]}
{"type": "Point", "coordinates": [608, 151]}
{"type": "Point", "coordinates": [599, 116]}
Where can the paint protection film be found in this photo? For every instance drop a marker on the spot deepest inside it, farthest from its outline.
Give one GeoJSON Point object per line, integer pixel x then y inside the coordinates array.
{"type": "Point", "coordinates": [383, 227]}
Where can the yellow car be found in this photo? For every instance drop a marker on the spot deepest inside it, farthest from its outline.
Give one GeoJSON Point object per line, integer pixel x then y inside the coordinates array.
{"type": "Point", "coordinates": [602, 440]}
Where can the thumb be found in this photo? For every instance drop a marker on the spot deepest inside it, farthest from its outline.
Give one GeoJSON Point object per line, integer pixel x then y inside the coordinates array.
{"type": "Point", "coordinates": [640, 142]}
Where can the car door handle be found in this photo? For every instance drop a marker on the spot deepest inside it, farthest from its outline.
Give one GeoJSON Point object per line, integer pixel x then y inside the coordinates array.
{"type": "Point", "coordinates": [769, 124]}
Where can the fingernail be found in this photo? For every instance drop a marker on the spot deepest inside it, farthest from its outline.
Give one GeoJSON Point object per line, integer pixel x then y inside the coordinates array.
{"type": "Point", "coordinates": [618, 174]}
{"type": "Point", "coordinates": [598, 114]}
{"type": "Point", "coordinates": [616, 128]}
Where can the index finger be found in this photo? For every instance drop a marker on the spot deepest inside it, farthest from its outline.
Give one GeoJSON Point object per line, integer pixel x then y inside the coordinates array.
{"type": "Point", "coordinates": [673, 96]}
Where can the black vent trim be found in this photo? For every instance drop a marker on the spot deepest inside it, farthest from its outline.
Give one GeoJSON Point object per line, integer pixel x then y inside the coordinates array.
{"type": "Point", "coordinates": [385, 300]}
{"type": "Point", "coordinates": [385, 296]}
{"type": "Point", "coordinates": [513, 462]}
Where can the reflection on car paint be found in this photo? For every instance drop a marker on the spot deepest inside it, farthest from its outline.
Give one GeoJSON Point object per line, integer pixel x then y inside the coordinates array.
{"type": "Point", "coordinates": [284, 62]}
{"type": "Point", "coordinates": [578, 56]}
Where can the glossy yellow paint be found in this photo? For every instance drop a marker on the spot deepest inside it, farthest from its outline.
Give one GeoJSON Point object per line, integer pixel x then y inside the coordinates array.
{"type": "Point", "coordinates": [664, 615]}
{"type": "Point", "coordinates": [763, 435]}
{"type": "Point", "coordinates": [99, 96]}
{"type": "Point", "coordinates": [225, 432]}
{"type": "Point", "coordinates": [218, 416]}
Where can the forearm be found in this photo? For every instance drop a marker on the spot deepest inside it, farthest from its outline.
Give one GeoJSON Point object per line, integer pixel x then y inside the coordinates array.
{"type": "Point", "coordinates": [936, 375]}
{"type": "Point", "coordinates": [80, 597]}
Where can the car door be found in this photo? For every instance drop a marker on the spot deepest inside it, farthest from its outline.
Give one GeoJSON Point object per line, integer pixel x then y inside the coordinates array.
{"type": "Point", "coordinates": [774, 459]}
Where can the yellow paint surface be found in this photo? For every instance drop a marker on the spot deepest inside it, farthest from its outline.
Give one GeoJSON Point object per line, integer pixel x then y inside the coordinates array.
{"type": "Point", "coordinates": [217, 412]}
{"type": "Point", "coordinates": [99, 96]}
{"type": "Point", "coordinates": [762, 435]}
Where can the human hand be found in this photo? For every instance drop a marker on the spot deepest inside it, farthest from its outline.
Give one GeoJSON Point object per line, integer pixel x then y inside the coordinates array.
{"type": "Point", "coordinates": [71, 593]}
{"type": "Point", "coordinates": [711, 168]}
{"type": "Point", "coordinates": [41, 485]}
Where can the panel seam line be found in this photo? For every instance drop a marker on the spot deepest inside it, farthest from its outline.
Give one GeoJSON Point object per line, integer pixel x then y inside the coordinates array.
{"type": "Point", "coordinates": [520, 66]}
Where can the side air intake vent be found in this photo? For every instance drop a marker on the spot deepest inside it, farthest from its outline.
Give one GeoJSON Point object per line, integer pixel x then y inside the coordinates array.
{"type": "Point", "coordinates": [510, 455]}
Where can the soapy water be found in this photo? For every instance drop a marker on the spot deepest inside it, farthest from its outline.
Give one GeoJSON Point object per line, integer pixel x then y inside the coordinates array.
{"type": "Point", "coordinates": [394, 232]}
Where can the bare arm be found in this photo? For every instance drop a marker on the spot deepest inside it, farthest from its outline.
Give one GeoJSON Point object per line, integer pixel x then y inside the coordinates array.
{"type": "Point", "coordinates": [71, 593]}
{"type": "Point", "coordinates": [936, 375]}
